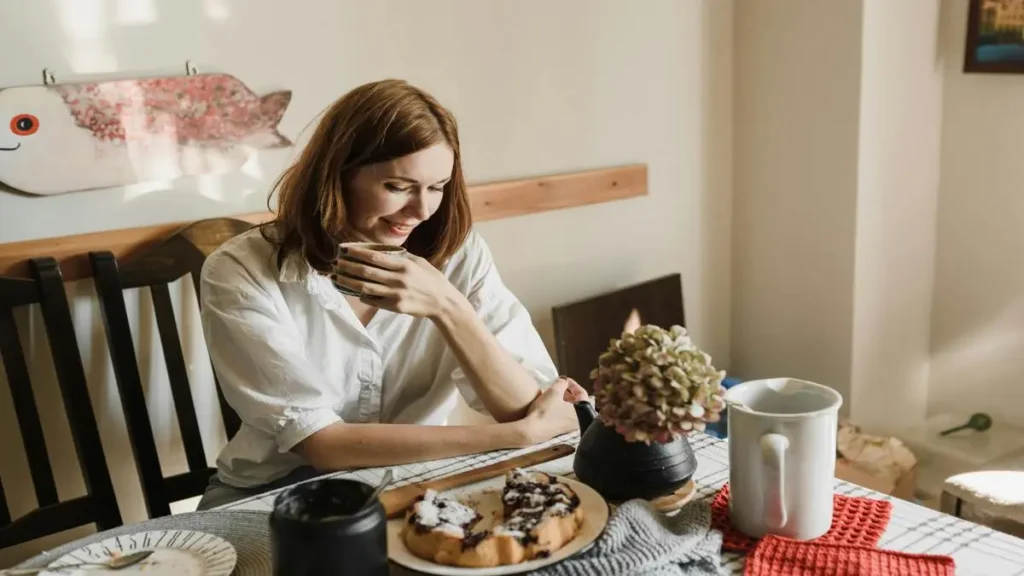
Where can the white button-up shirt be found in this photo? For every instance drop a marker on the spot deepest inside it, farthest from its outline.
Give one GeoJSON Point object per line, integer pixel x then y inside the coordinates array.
{"type": "Point", "coordinates": [292, 357]}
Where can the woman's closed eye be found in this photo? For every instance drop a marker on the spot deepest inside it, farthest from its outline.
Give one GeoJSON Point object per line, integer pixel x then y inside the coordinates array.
{"type": "Point", "coordinates": [403, 189]}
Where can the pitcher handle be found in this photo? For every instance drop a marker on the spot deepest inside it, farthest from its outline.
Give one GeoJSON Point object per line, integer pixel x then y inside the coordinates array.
{"type": "Point", "coordinates": [773, 448]}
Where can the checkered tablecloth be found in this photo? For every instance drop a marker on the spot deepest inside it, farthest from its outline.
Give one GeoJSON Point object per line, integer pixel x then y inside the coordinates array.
{"type": "Point", "coordinates": [978, 551]}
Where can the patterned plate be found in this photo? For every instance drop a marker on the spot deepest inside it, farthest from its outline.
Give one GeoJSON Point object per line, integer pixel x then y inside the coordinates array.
{"type": "Point", "coordinates": [247, 533]}
{"type": "Point", "coordinates": [175, 553]}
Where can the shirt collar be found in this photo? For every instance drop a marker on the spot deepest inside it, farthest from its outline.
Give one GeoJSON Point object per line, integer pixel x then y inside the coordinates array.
{"type": "Point", "coordinates": [296, 269]}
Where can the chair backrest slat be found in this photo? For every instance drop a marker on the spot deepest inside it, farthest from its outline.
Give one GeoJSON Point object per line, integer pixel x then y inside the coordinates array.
{"type": "Point", "coordinates": [181, 254]}
{"type": "Point", "coordinates": [67, 361]}
{"type": "Point", "coordinates": [99, 505]}
{"type": "Point", "coordinates": [25, 410]}
{"type": "Point", "coordinates": [184, 406]}
{"type": "Point", "coordinates": [129, 382]}
{"type": "Point", "coordinates": [5, 512]}
{"type": "Point", "coordinates": [184, 253]}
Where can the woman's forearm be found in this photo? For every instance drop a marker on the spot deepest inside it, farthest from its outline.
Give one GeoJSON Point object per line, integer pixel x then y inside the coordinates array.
{"type": "Point", "coordinates": [342, 446]}
{"type": "Point", "coordinates": [504, 387]}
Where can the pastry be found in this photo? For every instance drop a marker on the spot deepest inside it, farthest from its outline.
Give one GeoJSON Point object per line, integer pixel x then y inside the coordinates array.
{"type": "Point", "coordinates": [540, 516]}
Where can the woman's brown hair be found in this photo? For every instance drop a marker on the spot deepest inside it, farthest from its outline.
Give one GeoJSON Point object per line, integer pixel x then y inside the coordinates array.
{"type": "Point", "coordinates": [372, 123]}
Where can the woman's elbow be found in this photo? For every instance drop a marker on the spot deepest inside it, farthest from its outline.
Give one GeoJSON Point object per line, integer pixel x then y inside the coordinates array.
{"type": "Point", "coordinates": [316, 452]}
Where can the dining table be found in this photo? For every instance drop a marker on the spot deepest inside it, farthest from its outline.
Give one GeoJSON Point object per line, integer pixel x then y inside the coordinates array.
{"type": "Point", "coordinates": [977, 550]}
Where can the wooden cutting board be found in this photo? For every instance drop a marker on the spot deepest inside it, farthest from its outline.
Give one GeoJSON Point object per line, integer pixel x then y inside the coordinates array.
{"type": "Point", "coordinates": [397, 500]}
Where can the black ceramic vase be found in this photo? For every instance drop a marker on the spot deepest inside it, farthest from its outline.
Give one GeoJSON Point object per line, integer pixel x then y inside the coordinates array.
{"type": "Point", "coordinates": [621, 470]}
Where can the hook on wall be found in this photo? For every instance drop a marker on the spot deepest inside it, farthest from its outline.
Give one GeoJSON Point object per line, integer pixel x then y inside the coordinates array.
{"type": "Point", "coordinates": [190, 68]}
{"type": "Point", "coordinates": [48, 77]}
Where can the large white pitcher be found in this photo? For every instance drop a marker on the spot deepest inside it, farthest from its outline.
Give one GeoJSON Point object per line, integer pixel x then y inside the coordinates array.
{"type": "Point", "coordinates": [782, 455]}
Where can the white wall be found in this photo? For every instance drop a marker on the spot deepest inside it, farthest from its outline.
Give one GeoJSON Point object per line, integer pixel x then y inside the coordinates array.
{"type": "Point", "coordinates": [978, 315]}
{"type": "Point", "coordinates": [897, 188]}
{"type": "Point", "coordinates": [837, 148]}
{"type": "Point", "coordinates": [797, 82]}
{"type": "Point", "coordinates": [538, 87]}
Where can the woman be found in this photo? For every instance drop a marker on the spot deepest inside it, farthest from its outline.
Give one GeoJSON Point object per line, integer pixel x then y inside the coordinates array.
{"type": "Point", "coordinates": [324, 381]}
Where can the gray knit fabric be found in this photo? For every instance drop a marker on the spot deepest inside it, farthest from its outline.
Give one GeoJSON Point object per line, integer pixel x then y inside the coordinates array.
{"type": "Point", "coordinates": [640, 541]}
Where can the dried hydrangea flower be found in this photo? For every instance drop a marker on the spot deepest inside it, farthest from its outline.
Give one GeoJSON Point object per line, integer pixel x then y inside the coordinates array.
{"type": "Point", "coordinates": [654, 385]}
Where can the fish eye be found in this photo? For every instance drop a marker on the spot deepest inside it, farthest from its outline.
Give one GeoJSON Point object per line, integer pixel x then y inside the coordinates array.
{"type": "Point", "coordinates": [24, 124]}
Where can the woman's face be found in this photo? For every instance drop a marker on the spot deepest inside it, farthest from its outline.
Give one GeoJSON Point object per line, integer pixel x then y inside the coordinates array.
{"type": "Point", "coordinates": [386, 201]}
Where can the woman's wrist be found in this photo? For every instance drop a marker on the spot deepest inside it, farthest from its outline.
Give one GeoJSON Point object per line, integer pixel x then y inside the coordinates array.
{"type": "Point", "coordinates": [452, 307]}
{"type": "Point", "coordinates": [514, 434]}
{"type": "Point", "coordinates": [525, 431]}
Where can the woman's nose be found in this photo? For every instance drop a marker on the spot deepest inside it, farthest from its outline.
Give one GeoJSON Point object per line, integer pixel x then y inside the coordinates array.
{"type": "Point", "coordinates": [418, 206]}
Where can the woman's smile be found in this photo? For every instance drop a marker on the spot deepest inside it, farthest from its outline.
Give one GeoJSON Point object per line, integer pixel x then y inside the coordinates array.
{"type": "Point", "coordinates": [400, 229]}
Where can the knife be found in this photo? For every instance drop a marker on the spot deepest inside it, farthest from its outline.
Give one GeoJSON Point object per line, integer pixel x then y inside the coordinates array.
{"type": "Point", "coordinates": [397, 500]}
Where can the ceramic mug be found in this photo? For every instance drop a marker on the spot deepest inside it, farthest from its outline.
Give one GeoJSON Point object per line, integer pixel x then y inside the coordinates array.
{"type": "Point", "coordinates": [782, 455]}
{"type": "Point", "coordinates": [388, 249]}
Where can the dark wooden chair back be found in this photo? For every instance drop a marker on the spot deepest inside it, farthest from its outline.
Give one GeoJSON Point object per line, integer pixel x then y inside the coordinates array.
{"type": "Point", "coordinates": [181, 254]}
{"type": "Point", "coordinates": [582, 329]}
{"type": "Point", "coordinates": [99, 505]}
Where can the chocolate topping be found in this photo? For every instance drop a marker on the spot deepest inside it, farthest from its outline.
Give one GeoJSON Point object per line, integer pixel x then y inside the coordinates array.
{"type": "Point", "coordinates": [434, 512]}
{"type": "Point", "coordinates": [528, 499]}
{"type": "Point", "coordinates": [474, 538]}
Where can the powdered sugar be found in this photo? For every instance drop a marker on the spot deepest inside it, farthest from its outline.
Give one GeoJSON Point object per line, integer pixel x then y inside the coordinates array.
{"type": "Point", "coordinates": [447, 515]}
{"type": "Point", "coordinates": [527, 500]}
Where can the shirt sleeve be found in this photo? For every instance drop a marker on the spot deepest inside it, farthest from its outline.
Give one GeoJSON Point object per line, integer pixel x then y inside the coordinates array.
{"type": "Point", "coordinates": [503, 314]}
{"type": "Point", "coordinates": [257, 355]}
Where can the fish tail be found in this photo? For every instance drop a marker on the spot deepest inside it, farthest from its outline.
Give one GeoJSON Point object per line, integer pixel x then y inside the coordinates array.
{"type": "Point", "coordinates": [272, 108]}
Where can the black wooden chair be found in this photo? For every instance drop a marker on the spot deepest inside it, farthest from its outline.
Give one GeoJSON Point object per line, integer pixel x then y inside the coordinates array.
{"type": "Point", "coordinates": [583, 328]}
{"type": "Point", "coordinates": [181, 254]}
{"type": "Point", "coordinates": [99, 505]}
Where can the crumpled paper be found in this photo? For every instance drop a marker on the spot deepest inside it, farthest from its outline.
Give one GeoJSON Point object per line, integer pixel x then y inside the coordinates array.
{"type": "Point", "coordinates": [882, 456]}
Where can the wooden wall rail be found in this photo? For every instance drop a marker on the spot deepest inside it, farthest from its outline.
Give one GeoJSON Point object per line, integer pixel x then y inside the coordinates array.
{"type": "Point", "coordinates": [489, 201]}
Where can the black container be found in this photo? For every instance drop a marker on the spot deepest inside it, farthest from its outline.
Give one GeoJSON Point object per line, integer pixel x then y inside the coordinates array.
{"type": "Point", "coordinates": [621, 470]}
{"type": "Point", "coordinates": [317, 528]}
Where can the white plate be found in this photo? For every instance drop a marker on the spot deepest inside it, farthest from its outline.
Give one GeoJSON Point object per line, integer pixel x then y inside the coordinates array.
{"type": "Point", "coordinates": [486, 497]}
{"type": "Point", "coordinates": [175, 553]}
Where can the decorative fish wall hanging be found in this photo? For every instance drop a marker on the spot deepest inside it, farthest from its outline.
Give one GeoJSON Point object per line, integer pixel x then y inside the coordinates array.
{"type": "Point", "coordinates": [59, 138]}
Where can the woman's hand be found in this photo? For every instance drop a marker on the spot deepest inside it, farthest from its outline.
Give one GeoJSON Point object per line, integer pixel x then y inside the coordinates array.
{"type": "Point", "coordinates": [408, 285]}
{"type": "Point", "coordinates": [552, 413]}
{"type": "Point", "coordinates": [574, 392]}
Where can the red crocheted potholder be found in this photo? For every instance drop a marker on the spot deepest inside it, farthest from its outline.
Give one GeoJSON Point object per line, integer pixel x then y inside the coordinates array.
{"type": "Point", "coordinates": [855, 522]}
{"type": "Point", "coordinates": [775, 555]}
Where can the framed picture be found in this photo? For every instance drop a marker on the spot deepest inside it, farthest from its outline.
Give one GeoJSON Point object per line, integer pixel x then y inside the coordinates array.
{"type": "Point", "coordinates": [995, 37]}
